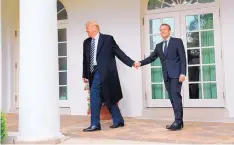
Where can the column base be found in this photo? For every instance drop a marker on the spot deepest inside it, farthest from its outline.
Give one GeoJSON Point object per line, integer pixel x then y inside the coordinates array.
{"type": "Point", "coordinates": [40, 140]}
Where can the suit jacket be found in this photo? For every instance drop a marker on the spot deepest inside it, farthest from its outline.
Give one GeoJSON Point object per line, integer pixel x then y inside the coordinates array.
{"type": "Point", "coordinates": [174, 62]}
{"type": "Point", "coordinates": [107, 49]}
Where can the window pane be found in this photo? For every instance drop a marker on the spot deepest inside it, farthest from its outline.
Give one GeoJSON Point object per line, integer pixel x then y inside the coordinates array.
{"type": "Point", "coordinates": [63, 63]}
{"type": "Point", "coordinates": [207, 38]}
{"type": "Point", "coordinates": [210, 90]}
{"type": "Point", "coordinates": [195, 91]}
{"type": "Point", "coordinates": [62, 49]}
{"type": "Point", "coordinates": [154, 26]}
{"type": "Point", "coordinates": [157, 4]}
{"type": "Point", "coordinates": [157, 91]}
{"type": "Point", "coordinates": [192, 39]}
{"type": "Point", "coordinates": [154, 4]}
{"type": "Point", "coordinates": [62, 35]}
{"type": "Point", "coordinates": [188, 2]}
{"type": "Point", "coordinates": [170, 22]}
{"type": "Point", "coordinates": [156, 62]}
{"type": "Point", "coordinates": [206, 1]}
{"type": "Point", "coordinates": [193, 56]}
{"type": "Point", "coordinates": [63, 93]}
{"type": "Point", "coordinates": [59, 6]}
{"type": "Point", "coordinates": [208, 55]}
{"type": "Point", "coordinates": [192, 23]}
{"type": "Point", "coordinates": [62, 15]}
{"type": "Point", "coordinates": [166, 94]}
{"type": "Point", "coordinates": [62, 78]}
{"type": "Point", "coordinates": [169, 2]}
{"type": "Point", "coordinates": [206, 21]}
{"type": "Point", "coordinates": [209, 73]}
{"type": "Point", "coordinates": [165, 5]}
{"type": "Point", "coordinates": [156, 74]}
{"type": "Point", "coordinates": [194, 73]}
{"type": "Point", "coordinates": [154, 40]}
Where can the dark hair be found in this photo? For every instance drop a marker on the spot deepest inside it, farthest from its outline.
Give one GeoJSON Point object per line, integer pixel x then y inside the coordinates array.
{"type": "Point", "coordinates": [166, 25]}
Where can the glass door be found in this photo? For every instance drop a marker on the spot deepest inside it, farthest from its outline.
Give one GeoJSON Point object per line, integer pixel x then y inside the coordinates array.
{"type": "Point", "coordinates": [157, 95]}
{"type": "Point", "coordinates": [62, 63]}
{"type": "Point", "coordinates": [201, 36]}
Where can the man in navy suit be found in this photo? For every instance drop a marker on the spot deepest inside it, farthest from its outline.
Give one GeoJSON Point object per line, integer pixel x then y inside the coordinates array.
{"type": "Point", "coordinates": [99, 69]}
{"type": "Point", "coordinates": [172, 56]}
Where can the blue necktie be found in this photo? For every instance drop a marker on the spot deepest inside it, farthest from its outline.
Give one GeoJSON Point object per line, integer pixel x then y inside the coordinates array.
{"type": "Point", "coordinates": [92, 55]}
{"type": "Point", "coordinates": [165, 47]}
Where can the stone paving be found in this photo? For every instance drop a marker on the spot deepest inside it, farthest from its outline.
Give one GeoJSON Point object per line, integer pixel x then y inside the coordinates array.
{"type": "Point", "coordinates": [143, 130]}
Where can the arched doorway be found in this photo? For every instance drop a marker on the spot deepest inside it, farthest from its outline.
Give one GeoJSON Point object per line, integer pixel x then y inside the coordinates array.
{"type": "Point", "coordinates": [197, 23]}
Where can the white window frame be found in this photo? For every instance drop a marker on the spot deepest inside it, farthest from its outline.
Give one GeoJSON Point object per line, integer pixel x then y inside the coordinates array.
{"type": "Point", "coordinates": [147, 69]}
{"type": "Point", "coordinates": [219, 102]}
{"type": "Point", "coordinates": [64, 103]}
{"type": "Point", "coordinates": [156, 102]}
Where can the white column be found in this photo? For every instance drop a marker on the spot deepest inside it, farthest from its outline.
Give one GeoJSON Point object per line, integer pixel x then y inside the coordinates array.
{"type": "Point", "coordinates": [1, 55]}
{"type": "Point", "coordinates": [227, 21]}
{"type": "Point", "coordinates": [39, 117]}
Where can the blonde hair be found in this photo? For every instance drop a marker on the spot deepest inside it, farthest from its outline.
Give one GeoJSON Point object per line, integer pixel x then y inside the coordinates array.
{"type": "Point", "coordinates": [93, 23]}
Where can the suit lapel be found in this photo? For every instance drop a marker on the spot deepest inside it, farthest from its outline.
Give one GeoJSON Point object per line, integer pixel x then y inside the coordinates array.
{"type": "Point", "coordinates": [161, 49]}
{"type": "Point", "coordinates": [88, 45]}
{"type": "Point", "coordinates": [100, 43]}
{"type": "Point", "coordinates": [169, 45]}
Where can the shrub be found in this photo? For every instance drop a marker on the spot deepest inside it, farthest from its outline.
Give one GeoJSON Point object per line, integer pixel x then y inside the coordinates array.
{"type": "Point", "coordinates": [3, 128]}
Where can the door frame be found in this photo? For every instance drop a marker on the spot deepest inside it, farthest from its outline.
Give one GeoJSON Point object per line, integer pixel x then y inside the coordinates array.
{"type": "Point", "coordinates": [147, 69]}
{"type": "Point", "coordinates": [64, 103]}
{"type": "Point", "coordinates": [219, 102]}
{"type": "Point", "coordinates": [157, 102]}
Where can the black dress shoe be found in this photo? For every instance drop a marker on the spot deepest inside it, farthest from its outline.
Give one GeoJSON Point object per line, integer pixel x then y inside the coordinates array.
{"type": "Point", "coordinates": [175, 126]}
{"type": "Point", "coordinates": [117, 125]}
{"type": "Point", "coordinates": [170, 126]}
{"type": "Point", "coordinates": [92, 128]}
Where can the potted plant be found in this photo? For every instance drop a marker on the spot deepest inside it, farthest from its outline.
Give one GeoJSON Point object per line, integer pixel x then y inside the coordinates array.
{"type": "Point", "coordinates": [104, 113]}
{"type": "Point", "coordinates": [3, 128]}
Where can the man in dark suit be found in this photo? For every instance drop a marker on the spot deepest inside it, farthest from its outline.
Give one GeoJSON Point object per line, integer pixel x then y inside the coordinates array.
{"type": "Point", "coordinates": [99, 69]}
{"type": "Point", "coordinates": [172, 55]}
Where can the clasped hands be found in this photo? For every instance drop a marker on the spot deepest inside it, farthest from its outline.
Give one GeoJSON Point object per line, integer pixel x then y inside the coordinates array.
{"type": "Point", "coordinates": [136, 64]}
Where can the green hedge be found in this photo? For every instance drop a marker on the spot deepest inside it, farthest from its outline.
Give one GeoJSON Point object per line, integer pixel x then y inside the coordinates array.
{"type": "Point", "coordinates": [3, 127]}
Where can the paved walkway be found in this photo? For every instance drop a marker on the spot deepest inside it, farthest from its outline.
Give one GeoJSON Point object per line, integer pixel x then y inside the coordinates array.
{"type": "Point", "coordinates": [141, 130]}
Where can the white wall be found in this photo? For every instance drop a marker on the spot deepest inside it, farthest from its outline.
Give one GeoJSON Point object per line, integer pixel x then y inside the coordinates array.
{"type": "Point", "coordinates": [120, 18]}
{"type": "Point", "coordinates": [227, 22]}
{"type": "Point", "coordinates": [9, 25]}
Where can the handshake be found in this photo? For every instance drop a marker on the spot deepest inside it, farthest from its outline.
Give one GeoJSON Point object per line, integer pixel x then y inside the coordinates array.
{"type": "Point", "coordinates": [136, 64]}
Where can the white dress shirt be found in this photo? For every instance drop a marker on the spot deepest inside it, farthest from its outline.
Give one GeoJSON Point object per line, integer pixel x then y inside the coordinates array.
{"type": "Point", "coordinates": [168, 39]}
{"type": "Point", "coordinates": [96, 38]}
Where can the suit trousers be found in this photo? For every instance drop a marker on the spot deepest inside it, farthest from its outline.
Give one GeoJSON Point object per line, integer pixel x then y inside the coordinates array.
{"type": "Point", "coordinates": [173, 87]}
{"type": "Point", "coordinates": [95, 103]}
